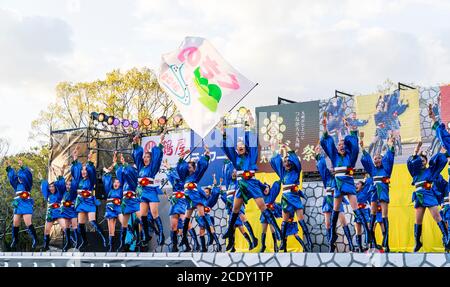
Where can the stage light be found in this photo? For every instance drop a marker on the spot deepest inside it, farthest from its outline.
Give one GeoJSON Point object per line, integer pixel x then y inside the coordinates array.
{"type": "Point", "coordinates": [116, 122]}
{"type": "Point", "coordinates": [147, 122]}
{"type": "Point", "coordinates": [94, 116]}
{"type": "Point", "coordinates": [134, 125]}
{"type": "Point", "coordinates": [242, 111]}
{"type": "Point", "coordinates": [162, 121]}
{"type": "Point", "coordinates": [110, 120]}
{"type": "Point", "coordinates": [125, 123]}
{"type": "Point", "coordinates": [178, 120]}
{"type": "Point", "coordinates": [101, 117]}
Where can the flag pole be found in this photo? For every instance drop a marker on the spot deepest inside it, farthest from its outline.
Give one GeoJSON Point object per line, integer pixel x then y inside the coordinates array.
{"type": "Point", "coordinates": [191, 151]}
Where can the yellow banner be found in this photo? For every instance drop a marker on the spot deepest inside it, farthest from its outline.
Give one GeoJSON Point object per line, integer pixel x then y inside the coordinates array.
{"type": "Point", "coordinates": [394, 114]}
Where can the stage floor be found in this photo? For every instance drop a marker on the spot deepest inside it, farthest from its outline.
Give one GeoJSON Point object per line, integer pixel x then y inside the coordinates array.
{"type": "Point", "coordinates": [58, 259]}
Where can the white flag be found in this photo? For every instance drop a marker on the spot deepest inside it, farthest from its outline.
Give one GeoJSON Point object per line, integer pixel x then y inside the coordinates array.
{"type": "Point", "coordinates": [201, 83]}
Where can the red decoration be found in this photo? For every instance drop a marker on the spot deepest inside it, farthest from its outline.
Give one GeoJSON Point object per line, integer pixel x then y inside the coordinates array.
{"type": "Point", "coordinates": [427, 185]}
{"type": "Point", "coordinates": [361, 205]}
{"type": "Point", "coordinates": [379, 208]}
{"type": "Point", "coordinates": [191, 186]}
{"type": "Point", "coordinates": [386, 180]}
{"type": "Point", "coordinates": [144, 181]}
{"type": "Point", "coordinates": [55, 205]}
{"type": "Point", "coordinates": [129, 194]}
{"type": "Point", "coordinates": [350, 171]}
{"type": "Point", "coordinates": [179, 195]}
{"type": "Point", "coordinates": [207, 209]}
{"type": "Point", "coordinates": [67, 203]}
{"type": "Point", "coordinates": [270, 206]}
{"type": "Point", "coordinates": [85, 193]}
{"type": "Point", "coordinates": [295, 188]}
{"type": "Point", "coordinates": [117, 201]}
{"type": "Point", "coordinates": [247, 175]}
{"type": "Point", "coordinates": [24, 195]}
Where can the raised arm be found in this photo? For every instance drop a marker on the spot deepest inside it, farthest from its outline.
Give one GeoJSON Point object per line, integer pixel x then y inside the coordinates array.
{"type": "Point", "coordinates": [276, 162]}
{"type": "Point", "coordinates": [366, 160]}
{"type": "Point", "coordinates": [351, 145]}
{"type": "Point", "coordinates": [202, 166]}
{"type": "Point", "coordinates": [388, 158]}
{"type": "Point", "coordinates": [230, 152]}
{"type": "Point", "coordinates": [437, 164]}
{"type": "Point", "coordinates": [44, 189]}
{"type": "Point", "coordinates": [107, 183]}
{"type": "Point", "coordinates": [90, 168]}
{"type": "Point", "coordinates": [275, 190]}
{"type": "Point", "coordinates": [327, 142]}
{"type": "Point", "coordinates": [227, 173]}
{"type": "Point", "coordinates": [251, 144]}
{"type": "Point", "coordinates": [12, 177]}
{"type": "Point", "coordinates": [322, 168]}
{"type": "Point", "coordinates": [157, 157]}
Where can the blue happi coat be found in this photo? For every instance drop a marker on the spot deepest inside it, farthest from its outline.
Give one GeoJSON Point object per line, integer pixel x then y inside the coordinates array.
{"type": "Point", "coordinates": [84, 204]}
{"type": "Point", "coordinates": [149, 193]}
{"type": "Point", "coordinates": [21, 181]}
{"type": "Point", "coordinates": [345, 183]}
{"type": "Point", "coordinates": [329, 185]}
{"type": "Point", "coordinates": [381, 175]}
{"type": "Point", "coordinates": [53, 200]}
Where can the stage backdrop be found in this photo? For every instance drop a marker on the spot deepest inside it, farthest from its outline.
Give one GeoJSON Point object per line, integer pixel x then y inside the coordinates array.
{"type": "Point", "coordinates": [445, 104]}
{"type": "Point", "coordinates": [390, 112]}
{"type": "Point", "coordinates": [296, 125]}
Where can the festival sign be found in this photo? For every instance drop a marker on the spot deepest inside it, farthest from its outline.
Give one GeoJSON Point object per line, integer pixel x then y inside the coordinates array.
{"type": "Point", "coordinates": [202, 84]}
{"type": "Point", "coordinates": [295, 125]}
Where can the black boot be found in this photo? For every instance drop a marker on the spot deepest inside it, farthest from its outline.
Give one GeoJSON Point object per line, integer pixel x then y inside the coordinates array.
{"type": "Point", "coordinates": [249, 241]}
{"type": "Point", "coordinates": [161, 237]}
{"type": "Point", "coordinates": [174, 238]}
{"type": "Point", "coordinates": [123, 236]}
{"type": "Point", "coordinates": [372, 239]}
{"type": "Point", "coordinates": [67, 240]}
{"type": "Point", "coordinates": [46, 246]}
{"type": "Point", "coordinates": [218, 245]}
{"type": "Point", "coordinates": [145, 229]}
{"type": "Point", "coordinates": [359, 242]}
{"type": "Point", "coordinates": [83, 242]}
{"type": "Point", "coordinates": [74, 236]}
{"type": "Point", "coordinates": [251, 233]}
{"type": "Point", "coordinates": [417, 235]}
{"type": "Point", "coordinates": [306, 235]}
{"type": "Point", "coordinates": [212, 234]}
{"type": "Point", "coordinates": [14, 238]}
{"type": "Point", "coordinates": [110, 243]}
{"type": "Point", "coordinates": [385, 243]}
{"type": "Point", "coordinates": [349, 238]}
{"type": "Point", "coordinates": [333, 234]}
{"type": "Point", "coordinates": [362, 219]}
{"type": "Point", "coordinates": [193, 235]}
{"type": "Point", "coordinates": [33, 235]}
{"type": "Point", "coordinates": [203, 243]}
{"type": "Point", "coordinates": [184, 240]}
{"type": "Point", "coordinates": [231, 226]}
{"type": "Point", "coordinates": [263, 242]}
{"type": "Point", "coordinates": [275, 244]}
{"type": "Point", "coordinates": [302, 243]}
{"type": "Point", "coordinates": [283, 236]}
{"type": "Point", "coordinates": [99, 230]}
{"type": "Point", "coordinates": [230, 244]}
{"type": "Point", "coordinates": [270, 218]}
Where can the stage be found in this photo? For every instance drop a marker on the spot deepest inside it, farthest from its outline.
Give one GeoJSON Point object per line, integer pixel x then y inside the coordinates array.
{"type": "Point", "coordinates": [58, 259]}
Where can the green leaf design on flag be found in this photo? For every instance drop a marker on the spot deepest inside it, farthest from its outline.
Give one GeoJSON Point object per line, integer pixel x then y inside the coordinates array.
{"type": "Point", "coordinates": [209, 94]}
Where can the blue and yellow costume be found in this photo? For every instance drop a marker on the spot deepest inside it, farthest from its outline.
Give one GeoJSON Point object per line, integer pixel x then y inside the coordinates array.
{"type": "Point", "coordinates": [53, 206]}
{"type": "Point", "coordinates": [67, 209]}
{"type": "Point", "coordinates": [178, 203]}
{"type": "Point", "coordinates": [248, 186]}
{"type": "Point", "coordinates": [343, 167]}
{"type": "Point", "coordinates": [381, 177]}
{"type": "Point", "coordinates": [425, 195]}
{"type": "Point", "coordinates": [276, 211]}
{"type": "Point", "coordinates": [292, 194]}
{"type": "Point", "coordinates": [22, 183]}
{"type": "Point", "coordinates": [86, 201]}
{"type": "Point", "coordinates": [195, 196]}
{"type": "Point", "coordinates": [147, 190]}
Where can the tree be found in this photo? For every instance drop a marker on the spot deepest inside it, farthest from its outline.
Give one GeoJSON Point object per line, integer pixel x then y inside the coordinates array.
{"type": "Point", "coordinates": [134, 94]}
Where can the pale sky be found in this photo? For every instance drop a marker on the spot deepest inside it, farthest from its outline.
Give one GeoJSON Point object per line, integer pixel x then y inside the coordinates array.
{"type": "Point", "coordinates": [300, 50]}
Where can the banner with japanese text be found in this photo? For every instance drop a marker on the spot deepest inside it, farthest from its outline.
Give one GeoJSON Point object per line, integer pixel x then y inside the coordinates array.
{"type": "Point", "coordinates": [294, 125]}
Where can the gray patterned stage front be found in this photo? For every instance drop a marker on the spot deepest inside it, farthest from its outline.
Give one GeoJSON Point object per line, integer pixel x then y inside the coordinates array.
{"type": "Point", "coordinates": [57, 259]}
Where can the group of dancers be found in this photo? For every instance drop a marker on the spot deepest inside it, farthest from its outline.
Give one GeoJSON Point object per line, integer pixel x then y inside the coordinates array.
{"type": "Point", "coordinates": [134, 196]}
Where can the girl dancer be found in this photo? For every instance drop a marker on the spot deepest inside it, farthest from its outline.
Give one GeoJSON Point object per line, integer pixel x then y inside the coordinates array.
{"type": "Point", "coordinates": [86, 204]}
{"type": "Point", "coordinates": [177, 201]}
{"type": "Point", "coordinates": [68, 190]}
{"type": "Point", "coordinates": [53, 198]}
{"type": "Point", "coordinates": [244, 160]}
{"type": "Point", "coordinates": [22, 182]}
{"type": "Point", "coordinates": [343, 158]}
{"type": "Point", "coordinates": [327, 205]}
{"type": "Point", "coordinates": [424, 177]}
{"type": "Point", "coordinates": [363, 195]}
{"type": "Point", "coordinates": [148, 165]}
{"type": "Point", "coordinates": [288, 169]}
{"type": "Point", "coordinates": [380, 170]}
{"type": "Point", "coordinates": [196, 197]}
{"type": "Point", "coordinates": [270, 195]}
{"type": "Point", "coordinates": [113, 189]}
{"type": "Point", "coordinates": [227, 196]}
